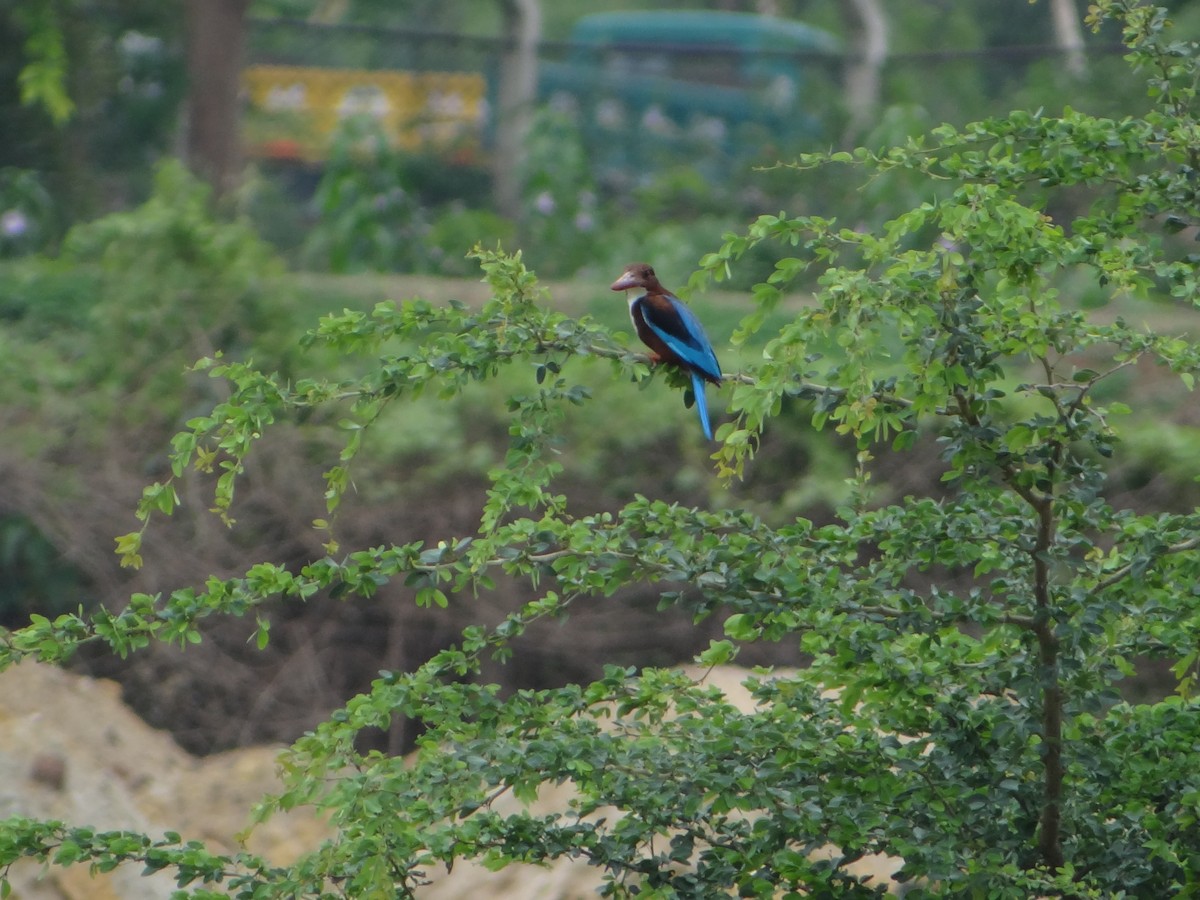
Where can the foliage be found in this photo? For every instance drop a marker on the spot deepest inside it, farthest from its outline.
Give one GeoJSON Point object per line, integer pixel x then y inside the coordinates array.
{"type": "Point", "coordinates": [456, 227]}
{"type": "Point", "coordinates": [43, 79]}
{"type": "Point", "coordinates": [26, 213]}
{"type": "Point", "coordinates": [368, 219]}
{"type": "Point", "coordinates": [673, 216]}
{"type": "Point", "coordinates": [960, 711]}
{"type": "Point", "coordinates": [34, 577]}
{"type": "Point", "coordinates": [561, 223]}
{"type": "Point", "coordinates": [177, 282]}
{"type": "Point", "coordinates": [377, 209]}
{"type": "Point", "coordinates": [91, 95]}
{"type": "Point", "coordinates": [44, 295]}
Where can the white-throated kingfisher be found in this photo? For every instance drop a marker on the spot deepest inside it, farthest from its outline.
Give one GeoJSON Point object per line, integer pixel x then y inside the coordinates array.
{"type": "Point", "coordinates": [671, 331]}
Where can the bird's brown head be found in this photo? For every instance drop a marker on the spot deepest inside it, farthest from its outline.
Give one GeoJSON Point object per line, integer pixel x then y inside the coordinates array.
{"type": "Point", "coordinates": [636, 275]}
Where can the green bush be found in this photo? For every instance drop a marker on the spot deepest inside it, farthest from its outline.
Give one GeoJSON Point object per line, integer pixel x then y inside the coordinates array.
{"type": "Point", "coordinates": [369, 218]}
{"type": "Point", "coordinates": [562, 222]}
{"type": "Point", "coordinates": [457, 228]}
{"type": "Point", "coordinates": [960, 711]}
{"type": "Point", "coordinates": [47, 295]}
{"type": "Point", "coordinates": [27, 216]}
{"type": "Point", "coordinates": [175, 282]}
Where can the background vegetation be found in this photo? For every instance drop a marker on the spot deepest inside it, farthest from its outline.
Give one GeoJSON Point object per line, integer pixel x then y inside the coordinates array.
{"type": "Point", "coordinates": [985, 541]}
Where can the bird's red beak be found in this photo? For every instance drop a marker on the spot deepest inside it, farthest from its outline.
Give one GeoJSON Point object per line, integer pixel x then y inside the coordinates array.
{"type": "Point", "coordinates": [624, 283]}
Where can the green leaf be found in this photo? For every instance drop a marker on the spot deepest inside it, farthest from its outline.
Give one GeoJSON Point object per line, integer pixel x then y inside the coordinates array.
{"type": "Point", "coordinates": [431, 596]}
{"type": "Point", "coordinates": [718, 653]}
{"type": "Point", "coordinates": [128, 548]}
{"type": "Point", "coordinates": [1019, 438]}
{"type": "Point", "coordinates": [262, 635]}
{"type": "Point", "coordinates": [742, 627]}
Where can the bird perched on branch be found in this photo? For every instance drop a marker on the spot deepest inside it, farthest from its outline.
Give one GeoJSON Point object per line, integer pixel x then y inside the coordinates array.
{"type": "Point", "coordinates": [671, 331]}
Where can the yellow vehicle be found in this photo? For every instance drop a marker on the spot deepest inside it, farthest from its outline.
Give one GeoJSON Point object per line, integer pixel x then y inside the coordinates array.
{"type": "Point", "coordinates": [295, 110]}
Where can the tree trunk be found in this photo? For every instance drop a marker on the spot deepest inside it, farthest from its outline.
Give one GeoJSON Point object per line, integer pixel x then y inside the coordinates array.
{"type": "Point", "coordinates": [515, 95]}
{"type": "Point", "coordinates": [1069, 36]}
{"type": "Point", "coordinates": [216, 43]}
{"type": "Point", "coordinates": [866, 20]}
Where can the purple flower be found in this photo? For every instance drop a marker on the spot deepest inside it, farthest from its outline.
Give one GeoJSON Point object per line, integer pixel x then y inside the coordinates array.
{"type": "Point", "coordinates": [544, 203]}
{"type": "Point", "coordinates": [13, 223]}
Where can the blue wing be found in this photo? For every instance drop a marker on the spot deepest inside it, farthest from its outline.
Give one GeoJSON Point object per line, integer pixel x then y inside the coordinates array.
{"type": "Point", "coordinates": [678, 328]}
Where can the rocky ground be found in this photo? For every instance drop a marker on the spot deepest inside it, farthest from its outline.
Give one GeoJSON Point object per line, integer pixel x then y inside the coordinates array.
{"type": "Point", "coordinates": [71, 750]}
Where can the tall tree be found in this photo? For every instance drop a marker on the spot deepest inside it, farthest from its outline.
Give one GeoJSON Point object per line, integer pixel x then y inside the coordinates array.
{"type": "Point", "coordinates": [516, 93]}
{"type": "Point", "coordinates": [216, 42]}
{"type": "Point", "coordinates": [866, 20]}
{"type": "Point", "coordinates": [959, 712]}
{"type": "Point", "coordinates": [1068, 34]}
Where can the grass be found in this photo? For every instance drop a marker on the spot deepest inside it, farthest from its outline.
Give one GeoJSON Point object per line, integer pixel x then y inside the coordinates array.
{"type": "Point", "coordinates": [1157, 397]}
{"type": "Point", "coordinates": [48, 299]}
{"type": "Point", "coordinates": [47, 306]}
{"type": "Point", "coordinates": [321, 293]}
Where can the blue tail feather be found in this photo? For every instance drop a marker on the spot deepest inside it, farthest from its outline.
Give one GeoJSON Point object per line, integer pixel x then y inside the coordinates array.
{"type": "Point", "coordinates": [701, 405]}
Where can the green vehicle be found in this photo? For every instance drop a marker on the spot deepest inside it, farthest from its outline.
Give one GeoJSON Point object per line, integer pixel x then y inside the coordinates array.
{"type": "Point", "coordinates": [709, 88]}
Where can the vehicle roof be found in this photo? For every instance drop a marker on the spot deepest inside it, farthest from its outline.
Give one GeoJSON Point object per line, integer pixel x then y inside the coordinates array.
{"type": "Point", "coordinates": [702, 27]}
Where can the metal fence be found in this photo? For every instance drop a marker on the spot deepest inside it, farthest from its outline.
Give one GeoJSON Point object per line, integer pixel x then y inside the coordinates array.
{"type": "Point", "coordinates": [427, 86]}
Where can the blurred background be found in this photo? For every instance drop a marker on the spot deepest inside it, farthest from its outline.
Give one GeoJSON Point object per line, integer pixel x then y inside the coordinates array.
{"type": "Point", "coordinates": [177, 179]}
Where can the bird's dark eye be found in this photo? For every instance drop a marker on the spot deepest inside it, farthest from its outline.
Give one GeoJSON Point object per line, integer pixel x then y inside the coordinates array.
{"type": "Point", "coordinates": [649, 270]}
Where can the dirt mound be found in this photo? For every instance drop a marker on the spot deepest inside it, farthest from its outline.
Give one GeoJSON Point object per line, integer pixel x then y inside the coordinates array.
{"type": "Point", "coordinates": [71, 750]}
